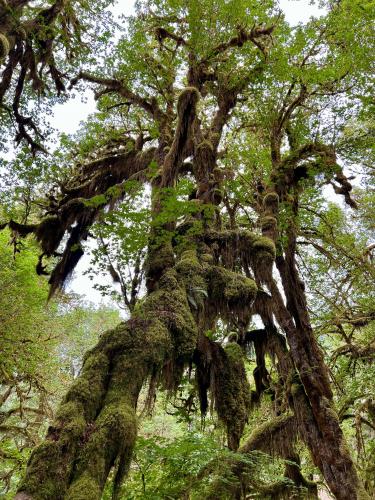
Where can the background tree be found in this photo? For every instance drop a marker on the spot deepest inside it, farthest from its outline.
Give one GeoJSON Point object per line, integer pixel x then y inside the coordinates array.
{"type": "Point", "coordinates": [41, 351]}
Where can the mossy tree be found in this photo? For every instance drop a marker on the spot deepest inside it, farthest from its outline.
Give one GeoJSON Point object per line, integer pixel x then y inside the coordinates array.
{"type": "Point", "coordinates": [220, 109]}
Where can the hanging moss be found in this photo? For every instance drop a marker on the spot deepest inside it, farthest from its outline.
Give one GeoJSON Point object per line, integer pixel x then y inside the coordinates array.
{"type": "Point", "coordinates": [189, 94]}
{"type": "Point", "coordinates": [49, 234]}
{"type": "Point", "coordinates": [222, 371]}
{"type": "Point", "coordinates": [232, 393]}
{"type": "Point", "coordinates": [217, 195]}
{"type": "Point", "coordinates": [276, 436]}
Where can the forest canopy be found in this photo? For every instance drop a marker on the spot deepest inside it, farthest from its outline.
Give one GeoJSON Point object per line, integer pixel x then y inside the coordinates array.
{"type": "Point", "coordinates": [224, 185]}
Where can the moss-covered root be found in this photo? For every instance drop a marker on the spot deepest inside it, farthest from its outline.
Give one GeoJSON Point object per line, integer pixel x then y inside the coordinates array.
{"type": "Point", "coordinates": [113, 434]}
{"type": "Point", "coordinates": [50, 464]}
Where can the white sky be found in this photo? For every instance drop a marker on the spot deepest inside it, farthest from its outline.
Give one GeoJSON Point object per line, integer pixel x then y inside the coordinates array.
{"type": "Point", "coordinates": [70, 114]}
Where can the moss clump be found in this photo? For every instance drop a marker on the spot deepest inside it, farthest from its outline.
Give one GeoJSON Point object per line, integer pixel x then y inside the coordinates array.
{"type": "Point", "coordinates": [207, 258]}
{"type": "Point", "coordinates": [192, 274]}
{"type": "Point", "coordinates": [264, 244]}
{"type": "Point", "coordinates": [231, 287]}
{"type": "Point", "coordinates": [264, 254]}
{"type": "Point", "coordinates": [86, 487]}
{"type": "Point", "coordinates": [4, 46]}
{"type": "Point", "coordinates": [234, 352]}
{"type": "Point", "coordinates": [248, 237]}
{"type": "Point", "coordinates": [188, 261]}
{"type": "Point", "coordinates": [89, 388]}
{"type": "Point", "coordinates": [115, 430]}
{"type": "Point", "coordinates": [169, 304]}
{"type": "Point", "coordinates": [71, 416]}
{"type": "Point", "coordinates": [271, 199]}
{"type": "Point", "coordinates": [42, 479]}
{"type": "Point", "coordinates": [268, 223]}
{"type": "Point", "coordinates": [240, 288]}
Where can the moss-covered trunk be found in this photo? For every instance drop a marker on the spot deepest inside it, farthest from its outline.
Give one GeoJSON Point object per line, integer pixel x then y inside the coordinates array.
{"type": "Point", "coordinates": [95, 427]}
{"type": "Point", "coordinates": [312, 399]}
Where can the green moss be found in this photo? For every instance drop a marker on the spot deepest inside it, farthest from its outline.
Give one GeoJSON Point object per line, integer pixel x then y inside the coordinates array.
{"type": "Point", "coordinates": [85, 488]}
{"type": "Point", "coordinates": [234, 352]}
{"type": "Point", "coordinates": [265, 438]}
{"type": "Point", "coordinates": [205, 145]}
{"type": "Point", "coordinates": [264, 244]}
{"type": "Point", "coordinates": [240, 288]}
{"type": "Point", "coordinates": [71, 417]}
{"type": "Point", "coordinates": [159, 257]}
{"type": "Point", "coordinates": [88, 389]}
{"type": "Point", "coordinates": [191, 272]}
{"type": "Point", "coordinates": [270, 199]}
{"type": "Point", "coordinates": [232, 394]}
{"type": "Point", "coordinates": [42, 482]}
{"type": "Point", "coordinates": [231, 288]}
{"type": "Point", "coordinates": [207, 258]}
{"type": "Point", "coordinates": [248, 237]}
{"type": "Point", "coordinates": [268, 222]}
{"type": "Point", "coordinates": [4, 46]}
{"type": "Point", "coordinates": [170, 306]}
{"type": "Point", "coordinates": [113, 434]}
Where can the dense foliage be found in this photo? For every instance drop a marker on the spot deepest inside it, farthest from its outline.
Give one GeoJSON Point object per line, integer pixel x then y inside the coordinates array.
{"type": "Point", "coordinates": [41, 352]}
{"type": "Point", "coordinates": [225, 183]}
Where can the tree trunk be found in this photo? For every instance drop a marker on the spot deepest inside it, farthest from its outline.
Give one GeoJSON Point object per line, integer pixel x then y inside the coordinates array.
{"type": "Point", "coordinates": [95, 427]}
